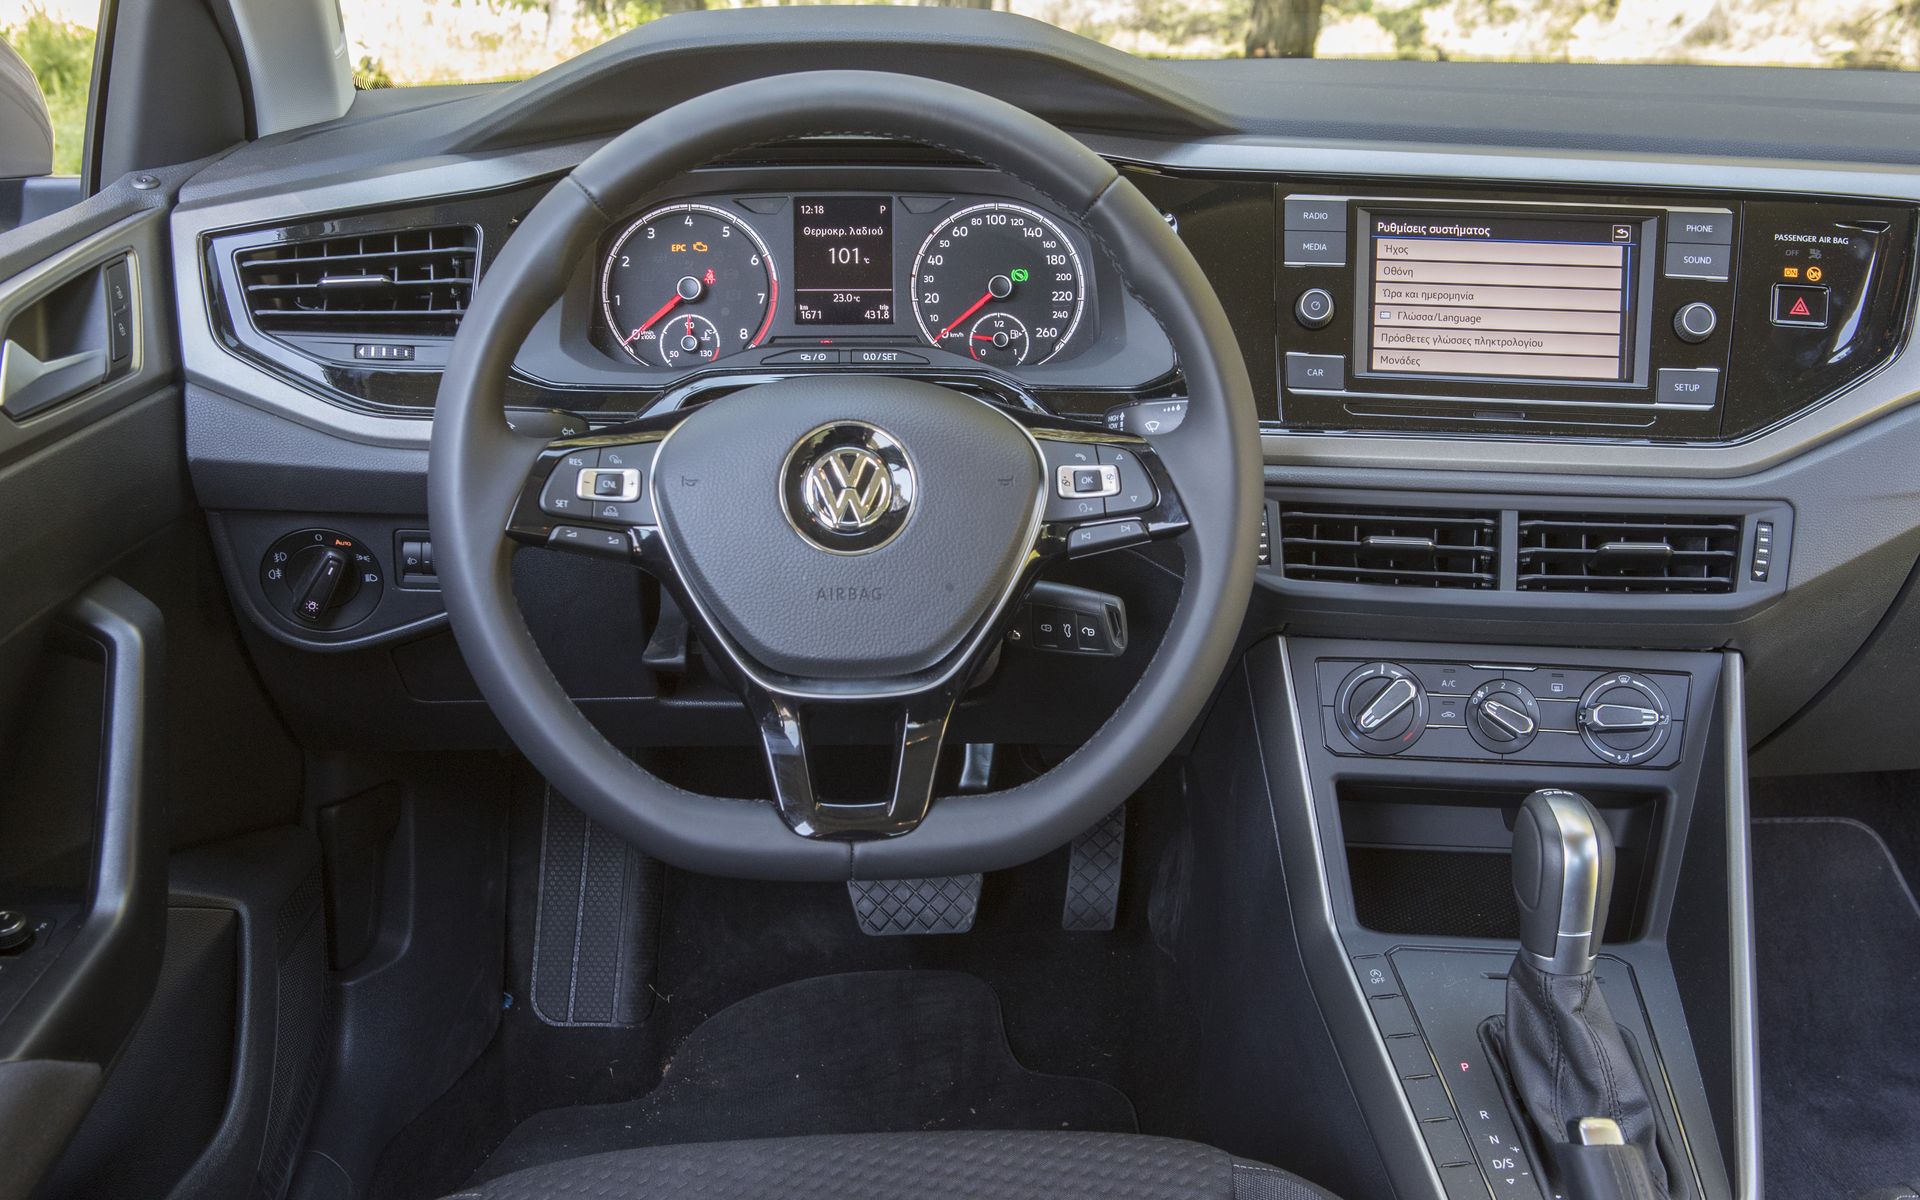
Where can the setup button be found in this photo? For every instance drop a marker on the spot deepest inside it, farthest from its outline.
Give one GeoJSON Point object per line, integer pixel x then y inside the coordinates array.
{"type": "Point", "coordinates": [1696, 387]}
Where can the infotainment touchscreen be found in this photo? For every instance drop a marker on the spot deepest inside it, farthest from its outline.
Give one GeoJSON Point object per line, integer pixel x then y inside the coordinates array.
{"type": "Point", "coordinates": [1500, 297]}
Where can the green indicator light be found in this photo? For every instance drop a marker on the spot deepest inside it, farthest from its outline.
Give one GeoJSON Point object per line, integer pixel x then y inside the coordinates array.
{"type": "Point", "coordinates": [1018, 274]}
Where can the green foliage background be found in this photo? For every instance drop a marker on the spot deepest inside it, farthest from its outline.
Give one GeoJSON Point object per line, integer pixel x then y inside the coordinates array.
{"type": "Point", "coordinates": [61, 56]}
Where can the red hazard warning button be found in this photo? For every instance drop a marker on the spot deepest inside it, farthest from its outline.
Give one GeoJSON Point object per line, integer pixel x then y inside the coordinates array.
{"type": "Point", "coordinates": [1796, 304]}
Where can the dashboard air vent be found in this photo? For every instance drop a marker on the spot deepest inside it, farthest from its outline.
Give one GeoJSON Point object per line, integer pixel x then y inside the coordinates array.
{"type": "Point", "coordinates": [1628, 552]}
{"type": "Point", "coordinates": [407, 282]}
{"type": "Point", "coordinates": [1405, 547]}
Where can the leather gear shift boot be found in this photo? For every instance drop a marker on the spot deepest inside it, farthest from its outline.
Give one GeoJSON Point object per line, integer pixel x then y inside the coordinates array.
{"type": "Point", "coordinates": [1567, 1060]}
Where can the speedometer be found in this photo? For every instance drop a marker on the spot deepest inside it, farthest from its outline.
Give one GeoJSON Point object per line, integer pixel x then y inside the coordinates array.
{"type": "Point", "coordinates": [687, 284]}
{"type": "Point", "coordinates": [999, 283]}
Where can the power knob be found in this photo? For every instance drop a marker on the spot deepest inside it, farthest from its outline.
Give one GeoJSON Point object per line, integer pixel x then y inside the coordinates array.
{"type": "Point", "coordinates": [1381, 708]}
{"type": "Point", "coordinates": [1503, 717]}
{"type": "Point", "coordinates": [1624, 719]}
{"type": "Point", "coordinates": [1695, 322]}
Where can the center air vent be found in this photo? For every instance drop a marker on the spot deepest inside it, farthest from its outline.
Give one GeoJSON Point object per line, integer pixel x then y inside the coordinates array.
{"type": "Point", "coordinates": [1406, 547]}
{"type": "Point", "coordinates": [1622, 552]}
{"type": "Point", "coordinates": [407, 282]}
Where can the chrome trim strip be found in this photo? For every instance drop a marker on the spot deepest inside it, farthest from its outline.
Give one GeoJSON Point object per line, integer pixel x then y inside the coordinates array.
{"type": "Point", "coordinates": [1320, 885]}
{"type": "Point", "coordinates": [1740, 953]}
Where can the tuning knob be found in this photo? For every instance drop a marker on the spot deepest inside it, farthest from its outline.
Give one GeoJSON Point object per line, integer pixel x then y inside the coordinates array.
{"type": "Point", "coordinates": [1624, 719]}
{"type": "Point", "coordinates": [1503, 716]}
{"type": "Point", "coordinates": [1695, 322]}
{"type": "Point", "coordinates": [1381, 708]}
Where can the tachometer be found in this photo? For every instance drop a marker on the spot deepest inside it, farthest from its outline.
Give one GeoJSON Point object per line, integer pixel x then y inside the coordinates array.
{"type": "Point", "coordinates": [999, 283]}
{"type": "Point", "coordinates": [687, 284]}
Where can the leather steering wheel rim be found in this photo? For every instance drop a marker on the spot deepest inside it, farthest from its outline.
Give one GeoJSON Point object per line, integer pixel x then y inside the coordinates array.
{"type": "Point", "coordinates": [477, 466]}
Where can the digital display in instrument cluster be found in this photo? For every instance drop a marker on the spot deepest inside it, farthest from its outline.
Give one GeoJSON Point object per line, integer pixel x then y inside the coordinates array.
{"type": "Point", "coordinates": [1501, 297]}
{"type": "Point", "coordinates": [843, 260]}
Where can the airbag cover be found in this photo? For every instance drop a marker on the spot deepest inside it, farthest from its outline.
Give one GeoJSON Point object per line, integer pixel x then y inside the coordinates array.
{"type": "Point", "coordinates": [729, 486]}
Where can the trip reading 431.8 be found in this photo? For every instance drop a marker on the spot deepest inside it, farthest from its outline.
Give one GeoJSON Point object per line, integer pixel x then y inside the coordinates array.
{"type": "Point", "coordinates": [843, 260]}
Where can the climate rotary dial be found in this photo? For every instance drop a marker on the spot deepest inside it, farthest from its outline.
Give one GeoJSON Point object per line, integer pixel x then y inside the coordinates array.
{"type": "Point", "coordinates": [1381, 708]}
{"type": "Point", "coordinates": [1503, 716]}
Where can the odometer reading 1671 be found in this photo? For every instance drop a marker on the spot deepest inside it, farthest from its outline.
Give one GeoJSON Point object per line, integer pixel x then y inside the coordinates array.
{"type": "Point", "coordinates": [999, 283]}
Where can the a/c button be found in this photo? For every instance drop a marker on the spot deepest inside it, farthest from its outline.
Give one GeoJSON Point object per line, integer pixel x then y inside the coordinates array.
{"type": "Point", "coordinates": [1321, 372]}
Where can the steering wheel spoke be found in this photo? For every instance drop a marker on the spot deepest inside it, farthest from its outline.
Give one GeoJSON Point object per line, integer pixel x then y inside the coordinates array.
{"type": "Point", "coordinates": [592, 494]}
{"type": "Point", "coordinates": [919, 724]}
{"type": "Point", "coordinates": [1104, 491]}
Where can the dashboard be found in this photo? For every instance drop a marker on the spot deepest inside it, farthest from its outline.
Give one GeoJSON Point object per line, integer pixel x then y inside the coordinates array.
{"type": "Point", "coordinates": [1526, 381]}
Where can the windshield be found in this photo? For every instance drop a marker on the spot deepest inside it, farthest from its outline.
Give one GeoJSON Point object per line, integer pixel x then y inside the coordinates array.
{"type": "Point", "coordinates": [399, 42]}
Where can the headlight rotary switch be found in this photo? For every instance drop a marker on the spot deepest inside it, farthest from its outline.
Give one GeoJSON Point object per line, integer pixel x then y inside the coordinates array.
{"type": "Point", "coordinates": [1624, 719]}
{"type": "Point", "coordinates": [321, 579]}
{"type": "Point", "coordinates": [1381, 708]}
{"type": "Point", "coordinates": [1503, 716]}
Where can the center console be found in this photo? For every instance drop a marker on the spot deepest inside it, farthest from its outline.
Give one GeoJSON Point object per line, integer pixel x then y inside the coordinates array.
{"type": "Point", "coordinates": [1399, 775]}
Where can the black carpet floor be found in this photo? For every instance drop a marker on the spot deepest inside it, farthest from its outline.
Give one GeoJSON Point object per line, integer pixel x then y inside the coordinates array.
{"type": "Point", "coordinates": [1839, 967]}
{"type": "Point", "coordinates": [866, 1052]}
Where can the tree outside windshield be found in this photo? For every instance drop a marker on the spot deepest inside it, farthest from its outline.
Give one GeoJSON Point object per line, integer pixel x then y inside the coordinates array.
{"type": "Point", "coordinates": [407, 42]}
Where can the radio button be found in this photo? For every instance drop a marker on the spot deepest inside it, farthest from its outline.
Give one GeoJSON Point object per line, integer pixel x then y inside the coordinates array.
{"type": "Point", "coordinates": [1695, 387]}
{"type": "Point", "coordinates": [1316, 372]}
{"type": "Point", "coordinates": [1316, 212]}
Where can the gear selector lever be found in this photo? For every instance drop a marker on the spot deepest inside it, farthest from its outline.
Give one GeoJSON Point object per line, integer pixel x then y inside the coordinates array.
{"type": "Point", "coordinates": [1566, 1059]}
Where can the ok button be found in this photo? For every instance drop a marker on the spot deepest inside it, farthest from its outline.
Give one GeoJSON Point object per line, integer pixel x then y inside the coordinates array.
{"type": "Point", "coordinates": [1316, 372]}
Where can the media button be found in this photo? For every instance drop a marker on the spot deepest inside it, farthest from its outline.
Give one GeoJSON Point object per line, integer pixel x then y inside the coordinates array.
{"type": "Point", "coordinates": [1315, 248]}
{"type": "Point", "coordinates": [1316, 372]}
{"type": "Point", "coordinates": [1695, 387]}
{"type": "Point", "coordinates": [1797, 304]}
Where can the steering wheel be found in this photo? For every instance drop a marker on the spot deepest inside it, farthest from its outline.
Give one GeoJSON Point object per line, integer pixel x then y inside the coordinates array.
{"type": "Point", "coordinates": [845, 540]}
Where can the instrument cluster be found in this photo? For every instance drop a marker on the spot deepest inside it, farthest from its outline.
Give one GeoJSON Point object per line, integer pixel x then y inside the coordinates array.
{"type": "Point", "coordinates": [885, 277]}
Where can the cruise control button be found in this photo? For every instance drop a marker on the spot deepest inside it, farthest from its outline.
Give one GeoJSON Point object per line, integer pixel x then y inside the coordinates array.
{"type": "Point", "coordinates": [561, 495]}
{"type": "Point", "coordinates": [1136, 492]}
{"type": "Point", "coordinates": [1092, 539]}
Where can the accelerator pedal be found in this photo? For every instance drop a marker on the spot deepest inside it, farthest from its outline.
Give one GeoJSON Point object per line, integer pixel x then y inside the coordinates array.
{"type": "Point", "coordinates": [893, 907]}
{"type": "Point", "coordinates": [1093, 875]}
{"type": "Point", "coordinates": [596, 923]}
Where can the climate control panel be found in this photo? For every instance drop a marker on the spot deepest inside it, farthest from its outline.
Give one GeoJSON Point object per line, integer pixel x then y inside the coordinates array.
{"type": "Point", "coordinates": [1502, 712]}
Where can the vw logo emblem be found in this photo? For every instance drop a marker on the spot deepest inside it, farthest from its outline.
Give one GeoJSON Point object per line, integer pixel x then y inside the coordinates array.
{"type": "Point", "coordinates": [848, 487]}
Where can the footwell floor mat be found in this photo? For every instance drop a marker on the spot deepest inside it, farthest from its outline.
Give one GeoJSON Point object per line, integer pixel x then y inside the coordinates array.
{"type": "Point", "coordinates": [1838, 937]}
{"type": "Point", "coordinates": [871, 1052]}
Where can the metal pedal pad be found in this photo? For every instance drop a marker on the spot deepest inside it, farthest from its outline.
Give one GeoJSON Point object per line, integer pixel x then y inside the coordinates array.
{"type": "Point", "coordinates": [596, 923]}
{"type": "Point", "coordinates": [891, 907]}
{"type": "Point", "coordinates": [1093, 875]}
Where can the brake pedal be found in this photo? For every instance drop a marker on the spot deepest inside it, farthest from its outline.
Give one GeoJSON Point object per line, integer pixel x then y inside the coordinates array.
{"type": "Point", "coordinates": [893, 907]}
{"type": "Point", "coordinates": [1093, 875]}
{"type": "Point", "coordinates": [596, 923]}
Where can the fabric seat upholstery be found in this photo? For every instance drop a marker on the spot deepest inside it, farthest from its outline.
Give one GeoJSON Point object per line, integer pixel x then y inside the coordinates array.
{"type": "Point", "coordinates": [907, 1166]}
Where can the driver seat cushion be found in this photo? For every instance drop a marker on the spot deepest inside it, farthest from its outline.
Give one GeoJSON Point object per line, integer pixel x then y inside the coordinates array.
{"type": "Point", "coordinates": [908, 1166]}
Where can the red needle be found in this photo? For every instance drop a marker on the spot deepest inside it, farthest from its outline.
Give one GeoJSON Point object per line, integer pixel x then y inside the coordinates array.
{"type": "Point", "coordinates": [664, 310]}
{"type": "Point", "coordinates": [977, 306]}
